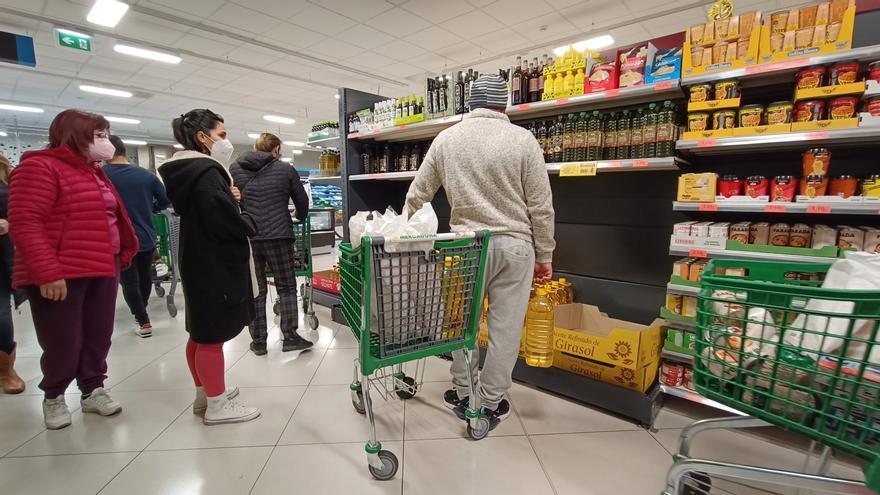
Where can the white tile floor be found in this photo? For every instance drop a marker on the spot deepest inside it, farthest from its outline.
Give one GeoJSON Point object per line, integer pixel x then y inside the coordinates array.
{"type": "Point", "coordinates": [310, 440]}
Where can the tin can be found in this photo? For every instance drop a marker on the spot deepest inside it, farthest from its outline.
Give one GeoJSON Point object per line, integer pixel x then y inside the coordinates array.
{"type": "Point", "coordinates": [843, 107]}
{"type": "Point", "coordinates": [783, 188]}
{"type": "Point", "coordinates": [700, 92]}
{"type": "Point", "coordinates": [730, 185]}
{"type": "Point", "coordinates": [724, 119]}
{"type": "Point", "coordinates": [779, 112]}
{"type": "Point", "coordinates": [843, 73]}
{"type": "Point", "coordinates": [872, 106]}
{"type": "Point", "coordinates": [757, 185]}
{"type": "Point", "coordinates": [811, 77]}
{"type": "Point", "coordinates": [698, 121]}
{"type": "Point", "coordinates": [726, 89]}
{"type": "Point", "coordinates": [874, 71]}
{"type": "Point", "coordinates": [751, 115]}
{"type": "Point", "coordinates": [809, 111]}
{"type": "Point", "coordinates": [814, 185]}
{"type": "Point", "coordinates": [844, 186]}
{"type": "Point", "coordinates": [816, 161]}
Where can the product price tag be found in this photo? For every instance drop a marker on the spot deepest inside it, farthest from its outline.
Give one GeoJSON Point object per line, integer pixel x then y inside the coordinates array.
{"type": "Point", "coordinates": [578, 169]}
{"type": "Point", "coordinates": [708, 207]}
{"type": "Point", "coordinates": [562, 101]}
{"type": "Point", "coordinates": [820, 209]}
{"type": "Point", "coordinates": [612, 93]}
{"type": "Point", "coordinates": [614, 164]}
{"type": "Point", "coordinates": [776, 208]}
{"type": "Point", "coordinates": [698, 253]}
{"type": "Point", "coordinates": [523, 107]}
{"type": "Point", "coordinates": [640, 163]}
{"type": "Point", "coordinates": [663, 86]}
{"type": "Point", "coordinates": [375, 131]}
{"type": "Point", "coordinates": [401, 127]}
{"type": "Point", "coordinates": [707, 143]}
{"type": "Point", "coordinates": [817, 135]}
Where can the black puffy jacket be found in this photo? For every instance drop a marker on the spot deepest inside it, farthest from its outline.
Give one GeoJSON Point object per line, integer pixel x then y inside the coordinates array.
{"type": "Point", "coordinates": [267, 185]}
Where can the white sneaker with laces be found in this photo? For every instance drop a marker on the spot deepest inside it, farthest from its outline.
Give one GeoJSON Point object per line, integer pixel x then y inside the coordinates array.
{"type": "Point", "coordinates": [201, 402]}
{"type": "Point", "coordinates": [99, 401]}
{"type": "Point", "coordinates": [144, 331]}
{"type": "Point", "coordinates": [222, 410]}
{"type": "Point", "coordinates": [55, 413]}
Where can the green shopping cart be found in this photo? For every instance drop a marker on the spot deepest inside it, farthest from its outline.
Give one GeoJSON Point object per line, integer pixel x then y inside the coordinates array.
{"type": "Point", "coordinates": [167, 225]}
{"type": "Point", "coordinates": [406, 306]}
{"type": "Point", "coordinates": [302, 262]}
{"type": "Point", "coordinates": [772, 343]}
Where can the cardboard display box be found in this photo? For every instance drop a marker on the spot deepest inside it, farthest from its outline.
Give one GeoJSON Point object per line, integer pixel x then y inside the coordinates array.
{"type": "Point", "coordinates": [639, 379]}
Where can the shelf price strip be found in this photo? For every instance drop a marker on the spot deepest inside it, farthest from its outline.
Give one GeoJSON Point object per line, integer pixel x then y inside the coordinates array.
{"type": "Point", "coordinates": [578, 169]}
{"type": "Point", "coordinates": [819, 209]}
{"type": "Point", "coordinates": [776, 208]}
{"type": "Point", "coordinates": [708, 207]}
{"type": "Point", "coordinates": [698, 253]}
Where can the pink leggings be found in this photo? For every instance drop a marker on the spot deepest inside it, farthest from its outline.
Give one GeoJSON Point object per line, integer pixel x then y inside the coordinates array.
{"type": "Point", "coordinates": [206, 365]}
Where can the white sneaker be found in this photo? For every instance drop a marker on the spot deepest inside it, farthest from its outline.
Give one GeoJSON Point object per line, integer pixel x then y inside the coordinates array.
{"type": "Point", "coordinates": [144, 331]}
{"type": "Point", "coordinates": [201, 402]}
{"type": "Point", "coordinates": [100, 402]}
{"type": "Point", "coordinates": [55, 413]}
{"type": "Point", "coordinates": [222, 410]}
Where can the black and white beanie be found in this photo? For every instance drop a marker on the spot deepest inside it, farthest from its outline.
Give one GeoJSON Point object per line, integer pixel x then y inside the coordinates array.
{"type": "Point", "coordinates": [488, 91]}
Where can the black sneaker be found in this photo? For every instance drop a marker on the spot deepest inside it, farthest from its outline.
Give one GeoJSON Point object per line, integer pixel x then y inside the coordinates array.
{"type": "Point", "coordinates": [450, 398]}
{"type": "Point", "coordinates": [258, 349]}
{"type": "Point", "coordinates": [497, 415]}
{"type": "Point", "coordinates": [295, 344]}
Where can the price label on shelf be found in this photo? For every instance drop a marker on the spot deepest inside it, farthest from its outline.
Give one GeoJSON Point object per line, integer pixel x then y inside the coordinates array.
{"type": "Point", "coordinates": [578, 169]}
{"type": "Point", "coordinates": [698, 253]}
{"type": "Point", "coordinates": [523, 107]}
{"type": "Point", "coordinates": [401, 127]}
{"type": "Point", "coordinates": [788, 64]}
{"type": "Point", "coordinates": [707, 143]}
{"type": "Point", "coordinates": [708, 207]}
{"type": "Point", "coordinates": [640, 163]}
{"type": "Point", "coordinates": [614, 164]}
{"type": "Point", "coordinates": [663, 85]}
{"type": "Point", "coordinates": [562, 101]}
{"type": "Point", "coordinates": [817, 135]}
{"type": "Point", "coordinates": [776, 208]}
{"type": "Point", "coordinates": [375, 131]}
{"type": "Point", "coordinates": [612, 93]}
{"type": "Point", "coordinates": [820, 209]}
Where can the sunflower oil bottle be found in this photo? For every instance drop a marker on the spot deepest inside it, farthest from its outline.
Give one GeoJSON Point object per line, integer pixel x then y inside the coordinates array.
{"type": "Point", "coordinates": [569, 291]}
{"type": "Point", "coordinates": [483, 332]}
{"type": "Point", "coordinates": [453, 291]}
{"type": "Point", "coordinates": [539, 330]}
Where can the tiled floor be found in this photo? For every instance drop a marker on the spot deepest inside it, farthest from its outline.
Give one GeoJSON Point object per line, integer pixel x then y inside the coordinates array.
{"type": "Point", "coordinates": [310, 440]}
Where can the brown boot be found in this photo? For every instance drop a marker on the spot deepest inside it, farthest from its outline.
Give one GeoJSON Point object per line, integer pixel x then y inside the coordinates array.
{"type": "Point", "coordinates": [9, 379]}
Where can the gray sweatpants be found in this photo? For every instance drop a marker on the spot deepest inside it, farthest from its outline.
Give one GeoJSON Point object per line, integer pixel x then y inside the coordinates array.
{"type": "Point", "coordinates": [508, 282]}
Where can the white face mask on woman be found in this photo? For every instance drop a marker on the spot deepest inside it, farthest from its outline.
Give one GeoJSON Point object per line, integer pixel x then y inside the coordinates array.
{"type": "Point", "coordinates": [222, 150]}
{"type": "Point", "coordinates": [101, 149]}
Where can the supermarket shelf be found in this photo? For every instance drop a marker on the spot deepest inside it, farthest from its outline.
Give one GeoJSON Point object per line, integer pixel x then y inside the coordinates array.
{"type": "Point", "coordinates": [699, 399]}
{"type": "Point", "coordinates": [775, 69]}
{"type": "Point", "coordinates": [328, 178]}
{"type": "Point", "coordinates": [326, 299]}
{"type": "Point", "coordinates": [836, 208]}
{"type": "Point", "coordinates": [634, 165]}
{"type": "Point", "coordinates": [753, 255]}
{"type": "Point", "coordinates": [420, 130]}
{"type": "Point", "coordinates": [329, 142]}
{"type": "Point", "coordinates": [384, 176]}
{"type": "Point", "coordinates": [678, 356]}
{"type": "Point", "coordinates": [685, 290]}
{"type": "Point", "coordinates": [594, 101]}
{"type": "Point", "coordinates": [782, 141]}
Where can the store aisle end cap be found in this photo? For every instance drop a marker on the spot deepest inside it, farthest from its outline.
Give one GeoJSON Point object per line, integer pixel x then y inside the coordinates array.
{"type": "Point", "coordinates": [488, 91]}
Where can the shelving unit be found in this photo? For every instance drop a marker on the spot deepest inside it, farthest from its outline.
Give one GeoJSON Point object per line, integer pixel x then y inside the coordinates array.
{"type": "Point", "coordinates": [384, 176]}
{"type": "Point", "coordinates": [407, 132]}
{"type": "Point", "coordinates": [699, 399]}
{"type": "Point", "coordinates": [731, 254]}
{"type": "Point", "coordinates": [780, 142]}
{"type": "Point", "coordinates": [678, 356]}
{"type": "Point", "coordinates": [684, 290]}
{"type": "Point", "coordinates": [326, 178]}
{"type": "Point", "coordinates": [832, 208]}
{"type": "Point", "coordinates": [632, 165]}
{"type": "Point", "coordinates": [329, 142]}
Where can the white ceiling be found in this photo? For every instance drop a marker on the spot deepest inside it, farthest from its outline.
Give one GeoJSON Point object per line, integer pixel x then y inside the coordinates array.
{"type": "Point", "coordinates": [247, 58]}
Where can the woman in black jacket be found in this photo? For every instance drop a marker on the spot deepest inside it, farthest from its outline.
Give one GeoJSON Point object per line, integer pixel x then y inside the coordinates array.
{"type": "Point", "coordinates": [214, 258]}
{"type": "Point", "coordinates": [10, 382]}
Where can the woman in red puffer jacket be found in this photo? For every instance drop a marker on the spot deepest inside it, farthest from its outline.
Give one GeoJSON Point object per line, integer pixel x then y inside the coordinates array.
{"type": "Point", "coordinates": [72, 236]}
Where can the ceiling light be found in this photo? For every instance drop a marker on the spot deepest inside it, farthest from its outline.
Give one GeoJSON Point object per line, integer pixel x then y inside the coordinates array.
{"type": "Point", "coordinates": [593, 44]}
{"type": "Point", "coordinates": [20, 108]}
{"type": "Point", "coordinates": [161, 157]}
{"type": "Point", "coordinates": [149, 54]}
{"type": "Point", "coordinates": [297, 152]}
{"type": "Point", "coordinates": [107, 12]}
{"type": "Point", "coordinates": [178, 146]}
{"type": "Point", "coordinates": [253, 135]}
{"type": "Point", "coordinates": [279, 120]}
{"type": "Point", "coordinates": [287, 160]}
{"type": "Point", "coordinates": [294, 143]}
{"type": "Point", "coordinates": [105, 91]}
{"type": "Point", "coordinates": [122, 120]}
{"type": "Point", "coordinates": [135, 142]}
{"type": "Point", "coordinates": [3, 134]}
{"type": "Point", "coordinates": [336, 96]}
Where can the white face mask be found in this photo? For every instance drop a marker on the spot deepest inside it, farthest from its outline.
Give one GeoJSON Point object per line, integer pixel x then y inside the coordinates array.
{"type": "Point", "coordinates": [222, 150]}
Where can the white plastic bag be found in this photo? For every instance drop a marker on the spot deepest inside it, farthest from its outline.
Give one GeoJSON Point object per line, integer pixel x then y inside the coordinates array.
{"type": "Point", "coordinates": [423, 222]}
{"type": "Point", "coordinates": [357, 225]}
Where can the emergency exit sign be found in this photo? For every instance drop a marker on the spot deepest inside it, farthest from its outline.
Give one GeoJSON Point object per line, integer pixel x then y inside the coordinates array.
{"type": "Point", "coordinates": [77, 41]}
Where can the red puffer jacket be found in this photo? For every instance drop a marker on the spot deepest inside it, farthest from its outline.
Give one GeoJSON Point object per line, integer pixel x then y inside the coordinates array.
{"type": "Point", "coordinates": [58, 222]}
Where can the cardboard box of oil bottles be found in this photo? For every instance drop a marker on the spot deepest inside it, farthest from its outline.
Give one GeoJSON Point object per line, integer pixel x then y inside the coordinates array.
{"type": "Point", "coordinates": [590, 343]}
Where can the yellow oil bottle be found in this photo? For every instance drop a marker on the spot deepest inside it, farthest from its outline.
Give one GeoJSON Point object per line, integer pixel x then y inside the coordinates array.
{"type": "Point", "coordinates": [539, 331]}
{"type": "Point", "coordinates": [569, 291]}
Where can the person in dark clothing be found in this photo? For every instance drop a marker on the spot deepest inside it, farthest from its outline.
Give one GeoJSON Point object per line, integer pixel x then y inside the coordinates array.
{"type": "Point", "coordinates": [10, 382]}
{"type": "Point", "coordinates": [143, 195]}
{"type": "Point", "coordinates": [214, 258]}
{"type": "Point", "coordinates": [267, 186]}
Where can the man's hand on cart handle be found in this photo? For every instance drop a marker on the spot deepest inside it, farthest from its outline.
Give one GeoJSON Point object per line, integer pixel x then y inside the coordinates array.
{"type": "Point", "coordinates": [543, 272]}
{"type": "Point", "coordinates": [54, 291]}
{"type": "Point", "coordinates": [236, 193]}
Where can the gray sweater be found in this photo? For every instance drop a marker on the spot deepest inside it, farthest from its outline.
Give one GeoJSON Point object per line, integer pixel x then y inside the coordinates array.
{"type": "Point", "coordinates": [495, 178]}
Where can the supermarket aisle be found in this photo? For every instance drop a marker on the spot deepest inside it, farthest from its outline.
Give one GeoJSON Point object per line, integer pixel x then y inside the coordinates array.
{"type": "Point", "coordinates": [309, 439]}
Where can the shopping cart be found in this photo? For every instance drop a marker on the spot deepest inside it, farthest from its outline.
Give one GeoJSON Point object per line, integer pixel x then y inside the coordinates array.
{"type": "Point", "coordinates": [167, 224]}
{"type": "Point", "coordinates": [302, 262]}
{"type": "Point", "coordinates": [799, 365]}
{"type": "Point", "coordinates": [406, 306]}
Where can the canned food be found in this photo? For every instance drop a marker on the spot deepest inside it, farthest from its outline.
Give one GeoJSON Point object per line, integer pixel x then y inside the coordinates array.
{"type": "Point", "coordinates": [809, 111]}
{"type": "Point", "coordinates": [726, 89]}
{"type": "Point", "coordinates": [700, 92]}
{"type": "Point", "coordinates": [873, 106]}
{"type": "Point", "coordinates": [843, 73]}
{"type": "Point", "coordinates": [816, 161]}
{"type": "Point", "coordinates": [844, 186]}
{"type": "Point", "coordinates": [783, 188]}
{"type": "Point", "coordinates": [779, 112]}
{"type": "Point", "coordinates": [698, 121]}
{"type": "Point", "coordinates": [730, 185]}
{"type": "Point", "coordinates": [843, 107]}
{"type": "Point", "coordinates": [871, 186]}
{"type": "Point", "coordinates": [751, 115]}
{"type": "Point", "coordinates": [724, 119]}
{"type": "Point", "coordinates": [811, 77]}
{"type": "Point", "coordinates": [874, 71]}
{"type": "Point", "coordinates": [756, 186]}
{"type": "Point", "coordinates": [814, 185]}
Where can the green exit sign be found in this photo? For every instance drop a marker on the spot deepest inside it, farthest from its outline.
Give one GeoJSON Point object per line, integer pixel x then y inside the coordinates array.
{"type": "Point", "coordinates": [77, 41]}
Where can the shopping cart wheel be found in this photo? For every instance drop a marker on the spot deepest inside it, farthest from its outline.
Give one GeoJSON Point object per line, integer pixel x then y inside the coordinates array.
{"type": "Point", "coordinates": [410, 391]}
{"type": "Point", "coordinates": [160, 291]}
{"type": "Point", "coordinates": [479, 429]}
{"type": "Point", "coordinates": [389, 466]}
{"type": "Point", "coordinates": [172, 308]}
{"type": "Point", "coordinates": [313, 321]}
{"type": "Point", "coordinates": [697, 484]}
{"type": "Point", "coordinates": [357, 400]}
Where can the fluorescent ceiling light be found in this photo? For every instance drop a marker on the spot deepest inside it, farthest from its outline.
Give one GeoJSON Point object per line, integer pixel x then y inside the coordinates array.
{"type": "Point", "coordinates": [3, 134]}
{"type": "Point", "coordinates": [294, 143]}
{"type": "Point", "coordinates": [148, 54]}
{"type": "Point", "coordinates": [178, 146]}
{"type": "Point", "coordinates": [122, 120]}
{"type": "Point", "coordinates": [336, 96]}
{"type": "Point", "coordinates": [105, 91]}
{"type": "Point", "coordinates": [20, 108]}
{"type": "Point", "coordinates": [297, 152]}
{"type": "Point", "coordinates": [279, 120]}
{"type": "Point", "coordinates": [287, 160]}
{"type": "Point", "coordinates": [591, 44]}
{"type": "Point", "coordinates": [107, 12]}
{"type": "Point", "coordinates": [135, 142]}
{"type": "Point", "coordinates": [253, 135]}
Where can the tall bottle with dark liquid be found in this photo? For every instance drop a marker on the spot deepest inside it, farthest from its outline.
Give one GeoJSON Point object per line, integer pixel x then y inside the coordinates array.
{"type": "Point", "coordinates": [384, 160]}
{"type": "Point", "coordinates": [444, 93]}
{"type": "Point", "coordinates": [666, 130]}
{"type": "Point", "coordinates": [468, 80]}
{"type": "Point", "coordinates": [609, 149]}
{"type": "Point", "coordinates": [541, 78]}
{"type": "Point", "coordinates": [534, 82]}
{"type": "Point", "coordinates": [430, 93]}
{"type": "Point", "coordinates": [638, 123]}
{"type": "Point", "coordinates": [516, 83]}
{"type": "Point", "coordinates": [568, 147]}
{"type": "Point", "coordinates": [580, 138]}
{"type": "Point", "coordinates": [541, 134]}
{"type": "Point", "coordinates": [415, 157]}
{"type": "Point", "coordinates": [595, 136]}
{"type": "Point", "coordinates": [624, 135]}
{"type": "Point", "coordinates": [526, 77]}
{"type": "Point", "coordinates": [649, 132]}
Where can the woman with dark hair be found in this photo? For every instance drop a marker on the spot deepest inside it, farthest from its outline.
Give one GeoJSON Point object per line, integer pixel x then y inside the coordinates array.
{"type": "Point", "coordinates": [214, 258]}
{"type": "Point", "coordinates": [72, 236]}
{"type": "Point", "coordinates": [10, 382]}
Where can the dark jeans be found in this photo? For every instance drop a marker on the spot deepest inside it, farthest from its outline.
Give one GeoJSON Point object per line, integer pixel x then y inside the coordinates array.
{"type": "Point", "coordinates": [7, 340]}
{"type": "Point", "coordinates": [275, 256]}
{"type": "Point", "coordinates": [137, 285]}
{"type": "Point", "coordinates": [75, 334]}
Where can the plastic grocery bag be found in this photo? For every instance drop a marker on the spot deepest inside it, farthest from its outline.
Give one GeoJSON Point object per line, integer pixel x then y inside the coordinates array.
{"type": "Point", "coordinates": [357, 224]}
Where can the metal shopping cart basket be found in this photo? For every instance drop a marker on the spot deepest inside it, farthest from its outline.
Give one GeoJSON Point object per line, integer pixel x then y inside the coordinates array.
{"type": "Point", "coordinates": [167, 224]}
{"type": "Point", "coordinates": [406, 306]}
{"type": "Point", "coordinates": [775, 345]}
{"type": "Point", "coordinates": [302, 262]}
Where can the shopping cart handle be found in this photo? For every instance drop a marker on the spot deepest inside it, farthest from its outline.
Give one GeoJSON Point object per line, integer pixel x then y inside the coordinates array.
{"type": "Point", "coordinates": [450, 236]}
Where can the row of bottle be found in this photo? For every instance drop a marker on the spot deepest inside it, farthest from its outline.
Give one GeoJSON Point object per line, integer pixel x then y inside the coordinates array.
{"type": "Point", "coordinates": [328, 163]}
{"type": "Point", "coordinates": [327, 124]}
{"type": "Point", "coordinates": [386, 112]}
{"type": "Point", "coordinates": [645, 132]}
{"type": "Point", "coordinates": [449, 94]}
{"type": "Point", "coordinates": [527, 81]}
{"type": "Point", "coordinates": [393, 157]}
